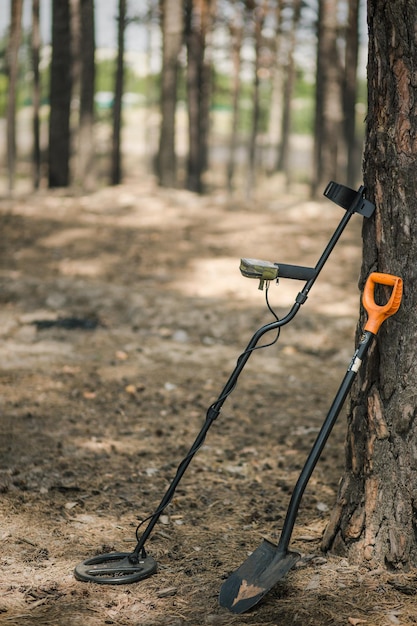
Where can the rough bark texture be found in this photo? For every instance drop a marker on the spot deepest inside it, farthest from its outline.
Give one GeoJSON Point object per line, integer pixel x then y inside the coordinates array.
{"type": "Point", "coordinates": [376, 514]}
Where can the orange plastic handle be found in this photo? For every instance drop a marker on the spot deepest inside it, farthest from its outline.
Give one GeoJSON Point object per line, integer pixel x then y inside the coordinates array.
{"type": "Point", "coordinates": [377, 313]}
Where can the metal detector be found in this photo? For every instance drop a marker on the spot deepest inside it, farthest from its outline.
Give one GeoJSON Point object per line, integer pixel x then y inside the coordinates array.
{"type": "Point", "coordinates": [118, 568]}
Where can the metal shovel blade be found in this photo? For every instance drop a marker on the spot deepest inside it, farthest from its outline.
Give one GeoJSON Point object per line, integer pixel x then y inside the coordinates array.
{"type": "Point", "coordinates": [256, 576]}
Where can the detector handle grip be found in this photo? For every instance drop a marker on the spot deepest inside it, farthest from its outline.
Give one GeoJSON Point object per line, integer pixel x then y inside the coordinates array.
{"type": "Point", "coordinates": [377, 313]}
{"type": "Point", "coordinates": [298, 272]}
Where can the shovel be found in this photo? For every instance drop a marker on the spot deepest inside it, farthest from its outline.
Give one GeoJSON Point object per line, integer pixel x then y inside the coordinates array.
{"type": "Point", "coordinates": [270, 563]}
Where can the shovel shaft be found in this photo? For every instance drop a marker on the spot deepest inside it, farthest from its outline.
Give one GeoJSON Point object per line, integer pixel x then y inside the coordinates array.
{"type": "Point", "coordinates": [321, 439]}
{"type": "Point", "coordinates": [268, 564]}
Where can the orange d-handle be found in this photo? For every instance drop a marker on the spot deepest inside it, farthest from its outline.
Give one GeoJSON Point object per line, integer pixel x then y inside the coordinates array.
{"type": "Point", "coordinates": [379, 313]}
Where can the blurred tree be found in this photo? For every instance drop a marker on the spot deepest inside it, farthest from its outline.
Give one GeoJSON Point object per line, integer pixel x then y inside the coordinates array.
{"type": "Point", "coordinates": [36, 42]}
{"type": "Point", "coordinates": [350, 93]}
{"type": "Point", "coordinates": [13, 68]}
{"type": "Point", "coordinates": [259, 13]}
{"type": "Point", "coordinates": [60, 95]}
{"type": "Point", "coordinates": [275, 118]}
{"type": "Point", "coordinates": [199, 83]}
{"type": "Point", "coordinates": [236, 26]}
{"type": "Point", "coordinates": [328, 127]}
{"type": "Point", "coordinates": [172, 26]}
{"type": "Point", "coordinates": [288, 90]}
{"type": "Point", "coordinates": [116, 155]}
{"type": "Point", "coordinates": [86, 148]}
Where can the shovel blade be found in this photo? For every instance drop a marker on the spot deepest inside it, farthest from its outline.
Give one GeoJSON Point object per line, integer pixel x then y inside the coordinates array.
{"type": "Point", "coordinates": [255, 577]}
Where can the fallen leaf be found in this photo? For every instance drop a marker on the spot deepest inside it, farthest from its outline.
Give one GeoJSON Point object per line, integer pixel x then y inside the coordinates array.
{"type": "Point", "coordinates": [356, 620]}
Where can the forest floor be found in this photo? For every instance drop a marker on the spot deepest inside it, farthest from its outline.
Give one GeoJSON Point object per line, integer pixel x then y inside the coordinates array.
{"type": "Point", "coordinates": [122, 316]}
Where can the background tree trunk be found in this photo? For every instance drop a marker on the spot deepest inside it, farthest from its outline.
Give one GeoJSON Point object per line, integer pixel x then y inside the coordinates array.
{"type": "Point", "coordinates": [116, 157]}
{"type": "Point", "coordinates": [198, 23]}
{"type": "Point", "coordinates": [259, 15]}
{"type": "Point", "coordinates": [376, 512]}
{"type": "Point", "coordinates": [277, 87]}
{"type": "Point", "coordinates": [172, 38]}
{"type": "Point", "coordinates": [85, 153]}
{"type": "Point", "coordinates": [236, 29]}
{"type": "Point", "coordinates": [36, 93]}
{"type": "Point", "coordinates": [328, 131]}
{"type": "Point", "coordinates": [13, 69]}
{"type": "Point", "coordinates": [60, 95]}
{"type": "Point", "coordinates": [350, 88]}
{"type": "Point", "coordinates": [284, 153]}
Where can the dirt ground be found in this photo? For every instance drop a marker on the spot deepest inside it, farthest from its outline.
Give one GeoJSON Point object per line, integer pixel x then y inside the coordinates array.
{"type": "Point", "coordinates": [122, 316]}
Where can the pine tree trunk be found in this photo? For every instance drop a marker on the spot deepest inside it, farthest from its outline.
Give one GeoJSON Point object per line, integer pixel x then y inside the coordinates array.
{"type": "Point", "coordinates": [116, 156]}
{"type": "Point", "coordinates": [350, 88]}
{"type": "Point", "coordinates": [198, 90]}
{"type": "Point", "coordinates": [284, 156]}
{"type": "Point", "coordinates": [60, 95]}
{"type": "Point", "coordinates": [236, 32]}
{"type": "Point", "coordinates": [259, 18]}
{"type": "Point", "coordinates": [13, 67]}
{"type": "Point", "coordinates": [85, 155]}
{"type": "Point", "coordinates": [35, 43]}
{"type": "Point", "coordinates": [376, 512]}
{"type": "Point", "coordinates": [328, 130]}
{"type": "Point", "coordinates": [172, 38]}
{"type": "Point", "coordinates": [277, 88]}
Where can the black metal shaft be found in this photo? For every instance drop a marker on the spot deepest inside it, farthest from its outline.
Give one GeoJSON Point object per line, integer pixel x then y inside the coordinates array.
{"type": "Point", "coordinates": [321, 439]}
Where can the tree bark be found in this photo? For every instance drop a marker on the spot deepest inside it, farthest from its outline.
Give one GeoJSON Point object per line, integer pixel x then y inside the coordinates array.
{"type": "Point", "coordinates": [13, 68]}
{"type": "Point", "coordinates": [375, 516]}
{"type": "Point", "coordinates": [60, 95]}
